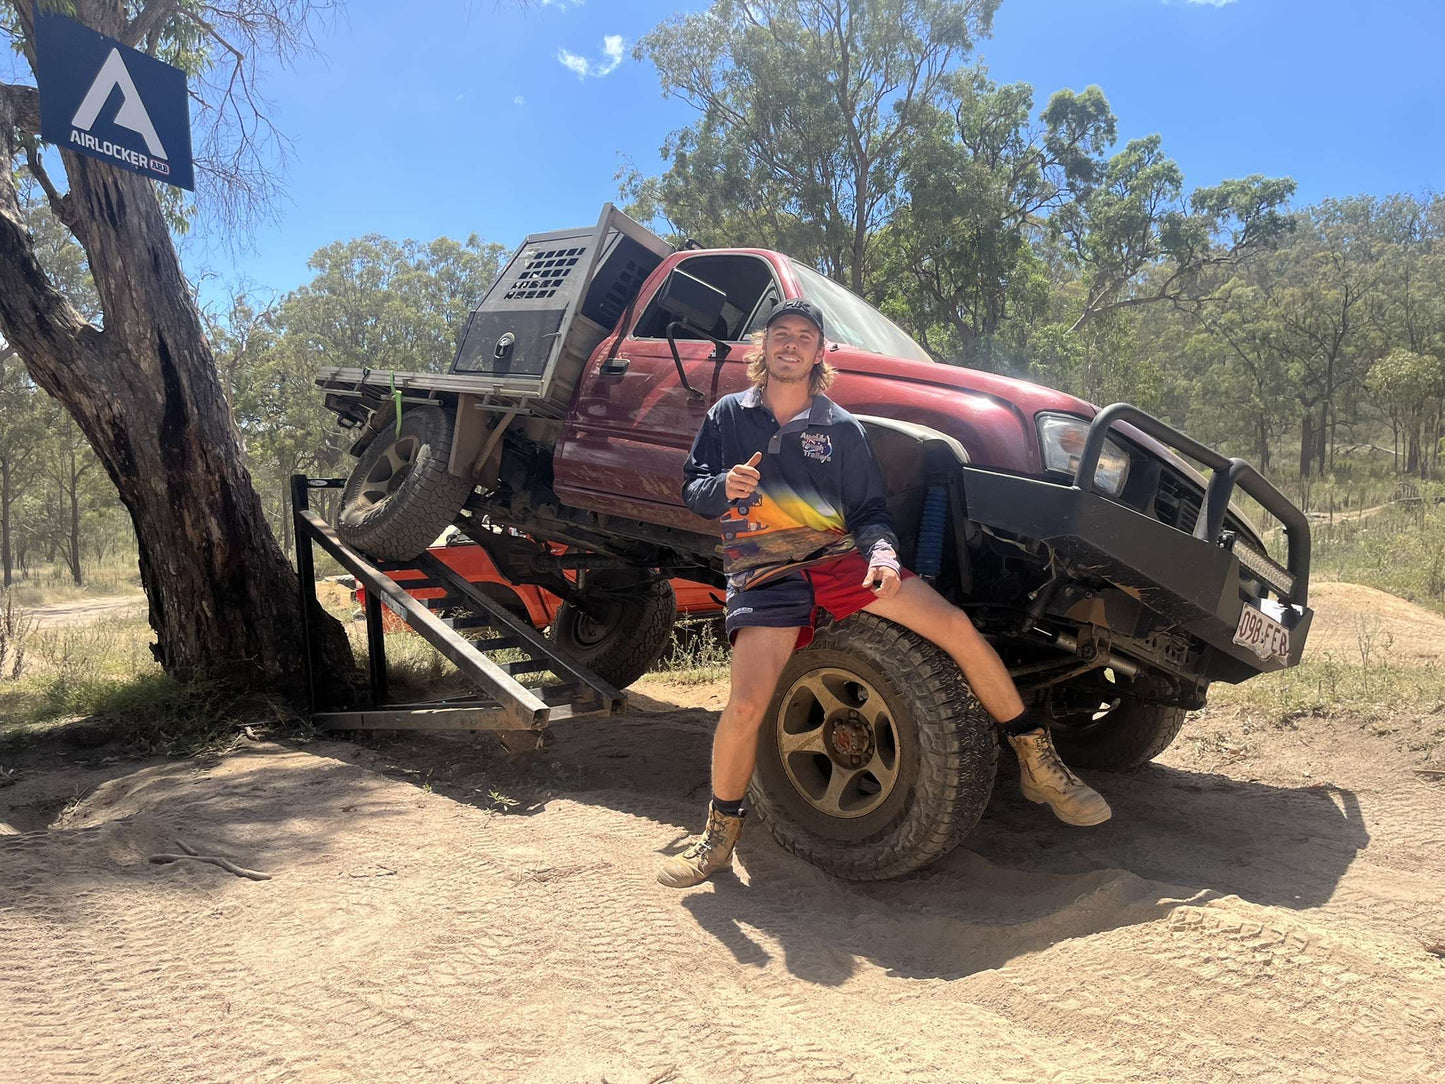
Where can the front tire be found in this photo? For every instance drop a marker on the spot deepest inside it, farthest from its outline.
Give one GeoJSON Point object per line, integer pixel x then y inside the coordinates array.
{"type": "Point", "coordinates": [875, 758]}
{"type": "Point", "coordinates": [400, 496]}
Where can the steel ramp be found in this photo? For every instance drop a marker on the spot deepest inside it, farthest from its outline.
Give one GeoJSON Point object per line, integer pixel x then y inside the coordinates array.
{"type": "Point", "coordinates": [503, 703]}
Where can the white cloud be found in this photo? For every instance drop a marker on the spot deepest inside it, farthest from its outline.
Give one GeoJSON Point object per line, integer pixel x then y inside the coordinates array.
{"type": "Point", "coordinates": [612, 50]}
{"type": "Point", "coordinates": [519, 100]}
{"type": "Point", "coordinates": [612, 46]}
{"type": "Point", "coordinates": [1210, 3]}
{"type": "Point", "coordinates": [560, 5]}
{"type": "Point", "coordinates": [573, 62]}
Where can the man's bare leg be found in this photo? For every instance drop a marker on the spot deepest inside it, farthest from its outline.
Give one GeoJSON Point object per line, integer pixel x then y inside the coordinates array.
{"type": "Point", "coordinates": [759, 655]}
{"type": "Point", "coordinates": [1045, 778]}
{"type": "Point", "coordinates": [923, 610]}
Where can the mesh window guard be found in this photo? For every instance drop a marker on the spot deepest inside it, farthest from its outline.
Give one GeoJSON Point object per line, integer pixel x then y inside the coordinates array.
{"type": "Point", "coordinates": [543, 273]}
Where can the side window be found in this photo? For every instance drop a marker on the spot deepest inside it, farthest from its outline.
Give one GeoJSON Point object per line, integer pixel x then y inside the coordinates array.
{"type": "Point", "coordinates": [751, 293]}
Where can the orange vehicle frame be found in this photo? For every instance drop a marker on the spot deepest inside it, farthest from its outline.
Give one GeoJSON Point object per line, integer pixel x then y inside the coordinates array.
{"type": "Point", "coordinates": [471, 561]}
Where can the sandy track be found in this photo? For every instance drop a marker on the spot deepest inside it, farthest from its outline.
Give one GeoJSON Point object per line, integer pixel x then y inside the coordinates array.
{"type": "Point", "coordinates": [1358, 625]}
{"type": "Point", "coordinates": [1259, 917]}
{"type": "Point", "coordinates": [85, 611]}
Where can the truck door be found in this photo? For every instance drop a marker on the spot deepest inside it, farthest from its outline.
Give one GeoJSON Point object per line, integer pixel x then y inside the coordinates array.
{"type": "Point", "coordinates": [633, 423]}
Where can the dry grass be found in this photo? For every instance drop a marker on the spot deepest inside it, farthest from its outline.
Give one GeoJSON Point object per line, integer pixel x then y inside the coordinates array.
{"type": "Point", "coordinates": [104, 676]}
{"type": "Point", "coordinates": [116, 576]}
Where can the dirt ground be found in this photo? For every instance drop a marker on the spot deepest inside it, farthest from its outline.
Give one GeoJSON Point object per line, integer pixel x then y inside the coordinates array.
{"type": "Point", "coordinates": [85, 611]}
{"type": "Point", "coordinates": [1260, 908]}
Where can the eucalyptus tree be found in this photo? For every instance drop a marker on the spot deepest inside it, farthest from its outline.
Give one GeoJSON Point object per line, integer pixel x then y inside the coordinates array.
{"type": "Point", "coordinates": [142, 386]}
{"type": "Point", "coordinates": [805, 108]}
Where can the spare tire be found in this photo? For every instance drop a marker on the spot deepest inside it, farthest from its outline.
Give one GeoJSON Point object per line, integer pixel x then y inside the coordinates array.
{"type": "Point", "coordinates": [400, 496]}
{"type": "Point", "coordinates": [875, 758]}
{"type": "Point", "coordinates": [620, 626]}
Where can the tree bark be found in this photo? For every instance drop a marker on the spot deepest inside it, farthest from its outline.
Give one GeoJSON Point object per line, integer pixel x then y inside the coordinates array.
{"type": "Point", "coordinates": [223, 600]}
{"type": "Point", "coordinates": [1306, 442]}
{"type": "Point", "coordinates": [5, 552]}
{"type": "Point", "coordinates": [73, 556]}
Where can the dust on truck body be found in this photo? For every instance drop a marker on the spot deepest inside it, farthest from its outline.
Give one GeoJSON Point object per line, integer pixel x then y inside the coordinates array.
{"type": "Point", "coordinates": [1115, 579]}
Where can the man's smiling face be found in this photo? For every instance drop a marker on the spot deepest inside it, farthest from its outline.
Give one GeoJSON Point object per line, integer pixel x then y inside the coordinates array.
{"type": "Point", "coordinates": [792, 347]}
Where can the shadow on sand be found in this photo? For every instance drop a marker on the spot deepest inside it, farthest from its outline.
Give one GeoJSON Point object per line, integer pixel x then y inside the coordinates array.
{"type": "Point", "coordinates": [1020, 882]}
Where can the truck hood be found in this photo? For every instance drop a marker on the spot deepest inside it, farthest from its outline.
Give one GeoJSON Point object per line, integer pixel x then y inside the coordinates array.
{"type": "Point", "coordinates": [1024, 398]}
{"type": "Point", "coordinates": [1024, 395]}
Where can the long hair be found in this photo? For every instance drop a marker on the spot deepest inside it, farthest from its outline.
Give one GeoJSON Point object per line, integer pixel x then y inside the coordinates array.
{"type": "Point", "coordinates": [819, 380]}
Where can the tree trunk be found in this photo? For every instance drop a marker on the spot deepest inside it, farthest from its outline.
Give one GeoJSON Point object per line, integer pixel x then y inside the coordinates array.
{"type": "Point", "coordinates": [223, 600]}
{"type": "Point", "coordinates": [73, 555]}
{"type": "Point", "coordinates": [1306, 443]}
{"type": "Point", "coordinates": [5, 553]}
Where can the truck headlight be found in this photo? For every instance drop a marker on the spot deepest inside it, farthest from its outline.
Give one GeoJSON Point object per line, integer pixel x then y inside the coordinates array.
{"type": "Point", "coordinates": [1062, 438]}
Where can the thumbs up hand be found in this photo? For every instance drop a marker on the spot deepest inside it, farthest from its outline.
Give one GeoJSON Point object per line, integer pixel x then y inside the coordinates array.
{"type": "Point", "coordinates": [744, 478]}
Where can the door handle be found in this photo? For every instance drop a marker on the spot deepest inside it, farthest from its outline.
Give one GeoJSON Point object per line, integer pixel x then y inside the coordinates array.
{"type": "Point", "coordinates": [615, 366]}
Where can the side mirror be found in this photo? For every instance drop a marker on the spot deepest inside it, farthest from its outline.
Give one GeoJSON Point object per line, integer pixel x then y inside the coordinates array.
{"type": "Point", "coordinates": [691, 301]}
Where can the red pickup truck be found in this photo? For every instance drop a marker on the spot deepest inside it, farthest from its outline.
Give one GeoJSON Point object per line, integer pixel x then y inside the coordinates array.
{"type": "Point", "coordinates": [1116, 580]}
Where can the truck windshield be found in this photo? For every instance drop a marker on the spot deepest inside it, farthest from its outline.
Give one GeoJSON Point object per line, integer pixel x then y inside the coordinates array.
{"type": "Point", "coordinates": [853, 321]}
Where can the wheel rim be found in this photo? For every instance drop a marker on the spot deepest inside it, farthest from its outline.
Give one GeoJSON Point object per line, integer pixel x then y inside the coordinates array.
{"type": "Point", "coordinates": [390, 471]}
{"type": "Point", "coordinates": [588, 631]}
{"type": "Point", "coordinates": [838, 743]}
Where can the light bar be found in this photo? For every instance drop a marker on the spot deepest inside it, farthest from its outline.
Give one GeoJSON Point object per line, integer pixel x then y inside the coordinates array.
{"type": "Point", "coordinates": [1264, 567]}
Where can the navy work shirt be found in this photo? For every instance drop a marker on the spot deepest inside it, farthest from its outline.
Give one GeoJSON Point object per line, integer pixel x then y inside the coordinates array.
{"type": "Point", "coordinates": [821, 492]}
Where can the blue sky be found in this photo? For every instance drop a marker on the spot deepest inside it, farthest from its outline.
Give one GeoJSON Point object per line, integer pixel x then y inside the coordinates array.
{"type": "Point", "coordinates": [446, 118]}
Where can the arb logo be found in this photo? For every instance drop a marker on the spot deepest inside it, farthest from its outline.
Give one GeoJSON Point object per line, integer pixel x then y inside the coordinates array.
{"type": "Point", "coordinates": [103, 99]}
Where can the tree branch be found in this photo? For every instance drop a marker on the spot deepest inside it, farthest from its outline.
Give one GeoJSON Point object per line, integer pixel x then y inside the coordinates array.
{"type": "Point", "coordinates": [154, 14]}
{"type": "Point", "coordinates": [35, 318]}
{"type": "Point", "coordinates": [62, 206]}
{"type": "Point", "coordinates": [23, 105]}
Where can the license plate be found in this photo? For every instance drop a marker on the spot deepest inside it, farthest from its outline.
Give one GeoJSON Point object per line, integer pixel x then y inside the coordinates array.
{"type": "Point", "coordinates": [1263, 635]}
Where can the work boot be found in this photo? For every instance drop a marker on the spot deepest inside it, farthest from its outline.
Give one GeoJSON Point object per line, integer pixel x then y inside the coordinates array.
{"type": "Point", "coordinates": [1046, 779]}
{"type": "Point", "coordinates": [712, 852]}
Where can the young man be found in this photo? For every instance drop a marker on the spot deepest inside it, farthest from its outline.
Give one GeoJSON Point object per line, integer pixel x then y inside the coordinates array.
{"type": "Point", "coordinates": [792, 480]}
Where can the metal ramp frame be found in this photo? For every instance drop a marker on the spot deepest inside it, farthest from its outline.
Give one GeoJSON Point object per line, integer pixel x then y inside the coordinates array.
{"type": "Point", "coordinates": [518, 713]}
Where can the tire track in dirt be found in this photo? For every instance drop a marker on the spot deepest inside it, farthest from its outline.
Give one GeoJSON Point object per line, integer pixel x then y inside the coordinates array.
{"type": "Point", "coordinates": [410, 935]}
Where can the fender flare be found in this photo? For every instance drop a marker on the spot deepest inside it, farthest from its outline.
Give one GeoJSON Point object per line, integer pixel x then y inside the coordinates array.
{"type": "Point", "coordinates": [932, 440]}
{"type": "Point", "coordinates": [930, 453]}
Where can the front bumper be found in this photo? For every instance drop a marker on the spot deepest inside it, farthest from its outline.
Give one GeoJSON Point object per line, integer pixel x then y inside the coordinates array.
{"type": "Point", "coordinates": [1195, 586]}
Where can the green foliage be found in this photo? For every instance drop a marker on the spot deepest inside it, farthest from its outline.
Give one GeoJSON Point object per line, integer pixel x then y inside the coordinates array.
{"type": "Point", "coordinates": [805, 110]}
{"type": "Point", "coordinates": [388, 305]}
{"type": "Point", "coordinates": [959, 254]}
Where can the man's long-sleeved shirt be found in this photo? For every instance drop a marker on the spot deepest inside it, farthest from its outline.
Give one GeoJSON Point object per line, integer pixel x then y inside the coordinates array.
{"type": "Point", "coordinates": [821, 492]}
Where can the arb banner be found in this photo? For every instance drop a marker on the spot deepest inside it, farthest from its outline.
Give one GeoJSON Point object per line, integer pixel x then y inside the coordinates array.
{"type": "Point", "coordinates": [104, 99]}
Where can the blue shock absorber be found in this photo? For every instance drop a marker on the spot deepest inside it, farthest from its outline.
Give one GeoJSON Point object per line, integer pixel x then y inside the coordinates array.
{"type": "Point", "coordinates": [928, 555]}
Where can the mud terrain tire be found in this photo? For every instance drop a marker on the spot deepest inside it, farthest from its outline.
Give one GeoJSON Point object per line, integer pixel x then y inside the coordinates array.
{"type": "Point", "coordinates": [635, 625]}
{"type": "Point", "coordinates": [1123, 740]}
{"type": "Point", "coordinates": [920, 714]}
{"type": "Point", "coordinates": [399, 496]}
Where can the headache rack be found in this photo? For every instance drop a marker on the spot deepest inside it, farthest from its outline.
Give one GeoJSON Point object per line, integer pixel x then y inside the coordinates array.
{"type": "Point", "coordinates": [527, 342]}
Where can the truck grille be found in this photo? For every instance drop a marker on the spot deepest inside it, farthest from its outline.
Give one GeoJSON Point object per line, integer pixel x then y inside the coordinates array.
{"type": "Point", "coordinates": [1177, 501]}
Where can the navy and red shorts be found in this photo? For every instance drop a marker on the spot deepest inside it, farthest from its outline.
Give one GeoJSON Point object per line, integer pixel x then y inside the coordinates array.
{"type": "Point", "coordinates": [792, 600]}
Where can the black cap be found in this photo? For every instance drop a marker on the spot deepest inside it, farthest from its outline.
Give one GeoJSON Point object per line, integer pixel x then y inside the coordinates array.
{"type": "Point", "coordinates": [798, 307]}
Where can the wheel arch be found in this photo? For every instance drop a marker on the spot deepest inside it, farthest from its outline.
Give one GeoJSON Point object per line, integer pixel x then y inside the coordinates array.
{"type": "Point", "coordinates": [913, 458]}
